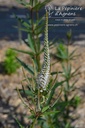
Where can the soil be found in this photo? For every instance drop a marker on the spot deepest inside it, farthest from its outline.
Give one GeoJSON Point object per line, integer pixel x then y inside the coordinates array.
{"type": "Point", "coordinates": [10, 104]}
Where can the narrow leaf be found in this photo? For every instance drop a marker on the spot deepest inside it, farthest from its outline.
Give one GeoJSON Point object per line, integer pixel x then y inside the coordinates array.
{"type": "Point", "coordinates": [20, 126]}
{"type": "Point", "coordinates": [57, 84]}
{"type": "Point", "coordinates": [27, 92]}
{"type": "Point", "coordinates": [25, 24]}
{"type": "Point", "coordinates": [27, 67]}
{"type": "Point", "coordinates": [31, 117]}
{"type": "Point", "coordinates": [51, 112]}
{"type": "Point", "coordinates": [31, 42]}
{"type": "Point", "coordinates": [25, 52]}
{"type": "Point", "coordinates": [45, 109]}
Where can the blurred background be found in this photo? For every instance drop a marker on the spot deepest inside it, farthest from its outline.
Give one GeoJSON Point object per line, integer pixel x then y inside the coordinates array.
{"type": "Point", "coordinates": [10, 36]}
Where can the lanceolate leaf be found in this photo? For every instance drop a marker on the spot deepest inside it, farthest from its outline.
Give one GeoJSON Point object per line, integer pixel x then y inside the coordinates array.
{"type": "Point", "coordinates": [39, 26]}
{"type": "Point", "coordinates": [26, 42]}
{"type": "Point", "coordinates": [62, 105]}
{"type": "Point", "coordinates": [72, 53]}
{"type": "Point", "coordinates": [51, 112]}
{"type": "Point", "coordinates": [25, 24]}
{"type": "Point", "coordinates": [53, 42]}
{"type": "Point", "coordinates": [57, 84]}
{"type": "Point", "coordinates": [40, 4]}
{"type": "Point", "coordinates": [27, 67]}
{"type": "Point", "coordinates": [31, 42]}
{"type": "Point", "coordinates": [40, 21]}
{"type": "Point", "coordinates": [36, 7]}
{"type": "Point", "coordinates": [67, 125]}
{"type": "Point", "coordinates": [20, 126]}
{"type": "Point", "coordinates": [27, 92]}
{"type": "Point", "coordinates": [24, 3]}
{"type": "Point", "coordinates": [25, 52]}
{"type": "Point", "coordinates": [23, 29]}
{"type": "Point", "coordinates": [44, 3]}
{"type": "Point", "coordinates": [32, 116]}
{"type": "Point", "coordinates": [54, 73]}
{"type": "Point", "coordinates": [75, 72]}
{"type": "Point", "coordinates": [45, 109]}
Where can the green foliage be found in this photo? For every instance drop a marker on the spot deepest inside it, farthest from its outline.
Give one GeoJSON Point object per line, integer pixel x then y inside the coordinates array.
{"type": "Point", "coordinates": [65, 57]}
{"type": "Point", "coordinates": [76, 101]}
{"type": "Point", "coordinates": [47, 108]}
{"type": "Point", "coordinates": [62, 53]}
{"type": "Point", "coordinates": [10, 64]}
{"type": "Point", "coordinates": [20, 126]}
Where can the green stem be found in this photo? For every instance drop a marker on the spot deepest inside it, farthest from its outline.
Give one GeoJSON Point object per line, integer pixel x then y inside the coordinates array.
{"type": "Point", "coordinates": [38, 45]}
{"type": "Point", "coordinates": [33, 125]}
{"type": "Point", "coordinates": [38, 101]}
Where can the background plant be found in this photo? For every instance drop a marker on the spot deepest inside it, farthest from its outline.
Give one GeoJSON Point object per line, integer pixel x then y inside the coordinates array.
{"type": "Point", "coordinates": [10, 63]}
{"type": "Point", "coordinates": [53, 112]}
{"type": "Point", "coordinates": [65, 58]}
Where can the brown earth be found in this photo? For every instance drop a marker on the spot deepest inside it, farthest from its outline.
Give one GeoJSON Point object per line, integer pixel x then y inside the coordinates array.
{"type": "Point", "coordinates": [10, 104]}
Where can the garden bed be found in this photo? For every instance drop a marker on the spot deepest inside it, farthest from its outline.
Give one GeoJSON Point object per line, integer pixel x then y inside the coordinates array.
{"type": "Point", "coordinates": [10, 104]}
